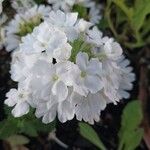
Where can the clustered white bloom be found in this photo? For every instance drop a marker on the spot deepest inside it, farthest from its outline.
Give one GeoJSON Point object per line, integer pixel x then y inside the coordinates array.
{"type": "Point", "coordinates": [30, 15]}
{"type": "Point", "coordinates": [22, 5]}
{"type": "Point", "coordinates": [92, 8]}
{"type": "Point", "coordinates": [63, 64]}
{"type": "Point", "coordinates": [64, 5]}
{"type": "Point", "coordinates": [24, 23]}
{"type": "Point", "coordinates": [66, 68]}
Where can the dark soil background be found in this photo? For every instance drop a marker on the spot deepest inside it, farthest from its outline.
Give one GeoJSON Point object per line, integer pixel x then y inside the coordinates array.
{"type": "Point", "coordinates": [68, 132]}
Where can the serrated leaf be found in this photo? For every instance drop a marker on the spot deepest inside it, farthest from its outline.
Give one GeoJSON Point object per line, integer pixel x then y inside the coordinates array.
{"type": "Point", "coordinates": [29, 129]}
{"type": "Point", "coordinates": [90, 134]}
{"type": "Point", "coordinates": [132, 115]}
{"type": "Point", "coordinates": [131, 134]}
{"type": "Point", "coordinates": [32, 126]}
{"type": "Point", "coordinates": [133, 139]}
{"type": "Point", "coordinates": [27, 124]}
{"type": "Point", "coordinates": [8, 128]}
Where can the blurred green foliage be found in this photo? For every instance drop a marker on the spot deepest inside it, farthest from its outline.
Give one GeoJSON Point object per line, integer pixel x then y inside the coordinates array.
{"type": "Point", "coordinates": [129, 21]}
{"type": "Point", "coordinates": [28, 125]}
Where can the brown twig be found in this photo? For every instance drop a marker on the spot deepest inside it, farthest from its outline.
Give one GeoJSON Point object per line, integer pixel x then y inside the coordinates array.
{"type": "Point", "coordinates": [144, 98]}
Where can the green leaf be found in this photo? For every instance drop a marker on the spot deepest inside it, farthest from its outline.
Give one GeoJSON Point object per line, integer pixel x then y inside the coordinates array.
{"type": "Point", "coordinates": [146, 28]}
{"type": "Point", "coordinates": [29, 129]}
{"type": "Point", "coordinates": [27, 124]}
{"type": "Point", "coordinates": [89, 133]}
{"type": "Point", "coordinates": [130, 134]}
{"type": "Point", "coordinates": [79, 45]}
{"type": "Point", "coordinates": [39, 1]}
{"type": "Point", "coordinates": [128, 11]}
{"type": "Point", "coordinates": [82, 11]}
{"type": "Point", "coordinates": [7, 128]}
{"type": "Point", "coordinates": [141, 10]}
{"type": "Point", "coordinates": [103, 24]}
{"type": "Point", "coordinates": [132, 115]}
{"type": "Point", "coordinates": [133, 139]}
{"type": "Point", "coordinates": [41, 127]}
{"type": "Point", "coordinates": [32, 126]}
{"type": "Point", "coordinates": [120, 16]}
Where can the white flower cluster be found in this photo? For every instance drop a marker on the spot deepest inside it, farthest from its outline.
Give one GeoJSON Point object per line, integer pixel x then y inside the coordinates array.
{"type": "Point", "coordinates": [24, 23]}
{"type": "Point", "coordinates": [66, 68]}
{"type": "Point", "coordinates": [22, 5]}
{"type": "Point", "coordinates": [62, 63]}
{"type": "Point", "coordinates": [29, 15]}
{"type": "Point", "coordinates": [91, 7]}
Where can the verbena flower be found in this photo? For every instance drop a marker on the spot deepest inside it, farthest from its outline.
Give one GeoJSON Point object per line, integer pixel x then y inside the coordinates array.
{"type": "Point", "coordinates": [22, 5]}
{"type": "Point", "coordinates": [127, 77]}
{"type": "Point", "coordinates": [62, 4]}
{"type": "Point", "coordinates": [87, 9]}
{"type": "Point", "coordinates": [19, 100]}
{"type": "Point", "coordinates": [24, 23]}
{"type": "Point", "coordinates": [93, 10]}
{"type": "Point", "coordinates": [65, 67]}
{"type": "Point", "coordinates": [88, 108]}
{"type": "Point", "coordinates": [87, 78]}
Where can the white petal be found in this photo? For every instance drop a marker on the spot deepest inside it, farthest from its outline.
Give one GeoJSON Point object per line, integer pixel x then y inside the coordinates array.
{"type": "Point", "coordinates": [124, 94]}
{"type": "Point", "coordinates": [42, 67]}
{"type": "Point", "coordinates": [11, 97]}
{"type": "Point", "coordinates": [93, 83]}
{"type": "Point", "coordinates": [38, 47]}
{"type": "Point", "coordinates": [62, 53]}
{"type": "Point", "coordinates": [71, 33]}
{"type": "Point", "coordinates": [20, 109]}
{"type": "Point", "coordinates": [71, 18]}
{"type": "Point", "coordinates": [41, 109]}
{"type": "Point", "coordinates": [60, 90]}
{"type": "Point", "coordinates": [65, 111]}
{"type": "Point", "coordinates": [89, 108]}
{"type": "Point", "coordinates": [95, 67]}
{"type": "Point", "coordinates": [82, 60]}
{"type": "Point", "coordinates": [50, 116]}
{"type": "Point", "coordinates": [83, 25]}
{"type": "Point", "coordinates": [10, 102]}
{"type": "Point", "coordinates": [82, 90]}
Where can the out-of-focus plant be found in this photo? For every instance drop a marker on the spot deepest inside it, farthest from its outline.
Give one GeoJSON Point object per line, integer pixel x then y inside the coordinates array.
{"type": "Point", "coordinates": [28, 125]}
{"type": "Point", "coordinates": [129, 21]}
{"type": "Point", "coordinates": [130, 134]}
